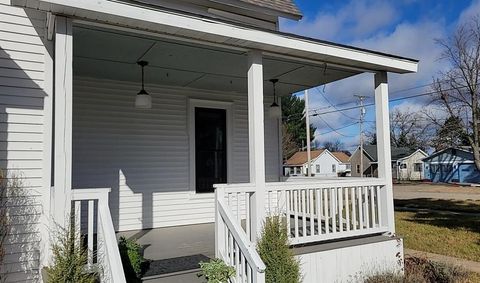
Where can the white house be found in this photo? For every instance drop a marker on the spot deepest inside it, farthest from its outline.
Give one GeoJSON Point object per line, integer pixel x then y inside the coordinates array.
{"type": "Point", "coordinates": [193, 144]}
{"type": "Point", "coordinates": [410, 168]}
{"type": "Point", "coordinates": [323, 163]}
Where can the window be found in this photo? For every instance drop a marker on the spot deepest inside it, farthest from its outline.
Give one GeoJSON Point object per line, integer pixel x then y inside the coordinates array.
{"type": "Point", "coordinates": [298, 170]}
{"type": "Point", "coordinates": [317, 168]}
{"type": "Point", "coordinates": [334, 168]}
{"type": "Point", "coordinates": [292, 170]}
{"type": "Point", "coordinates": [417, 167]}
{"type": "Point", "coordinates": [403, 166]}
{"type": "Point", "coordinates": [358, 168]}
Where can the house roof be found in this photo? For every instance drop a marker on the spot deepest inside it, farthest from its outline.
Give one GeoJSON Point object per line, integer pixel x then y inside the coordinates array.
{"type": "Point", "coordinates": [300, 157]}
{"type": "Point", "coordinates": [396, 152]}
{"type": "Point", "coordinates": [341, 156]}
{"type": "Point", "coordinates": [464, 149]}
{"type": "Point", "coordinates": [284, 6]}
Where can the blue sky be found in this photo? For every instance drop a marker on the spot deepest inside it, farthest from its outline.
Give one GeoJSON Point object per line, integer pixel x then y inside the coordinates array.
{"type": "Point", "coordinates": [403, 27]}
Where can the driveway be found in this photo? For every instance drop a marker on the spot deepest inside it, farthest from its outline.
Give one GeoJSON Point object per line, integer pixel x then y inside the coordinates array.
{"type": "Point", "coordinates": [436, 191]}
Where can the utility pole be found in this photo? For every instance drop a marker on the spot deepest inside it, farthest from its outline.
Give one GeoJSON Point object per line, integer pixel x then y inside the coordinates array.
{"type": "Point", "coordinates": [362, 116]}
{"type": "Point", "coordinates": [307, 121]}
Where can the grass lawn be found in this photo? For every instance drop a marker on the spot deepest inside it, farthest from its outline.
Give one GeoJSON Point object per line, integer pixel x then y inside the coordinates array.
{"type": "Point", "coordinates": [442, 233]}
{"type": "Point", "coordinates": [472, 206]}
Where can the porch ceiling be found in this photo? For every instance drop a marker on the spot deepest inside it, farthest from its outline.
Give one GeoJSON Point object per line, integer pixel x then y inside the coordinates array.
{"type": "Point", "coordinates": [110, 54]}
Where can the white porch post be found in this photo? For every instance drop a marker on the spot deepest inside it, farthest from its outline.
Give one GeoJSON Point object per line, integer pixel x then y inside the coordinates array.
{"type": "Point", "coordinates": [62, 145]}
{"type": "Point", "coordinates": [256, 143]}
{"type": "Point", "coordinates": [383, 149]}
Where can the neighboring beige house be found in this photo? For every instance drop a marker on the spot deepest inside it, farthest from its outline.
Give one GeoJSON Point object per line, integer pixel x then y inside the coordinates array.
{"type": "Point", "coordinates": [344, 166]}
{"type": "Point", "coordinates": [411, 166]}
{"type": "Point", "coordinates": [406, 163]}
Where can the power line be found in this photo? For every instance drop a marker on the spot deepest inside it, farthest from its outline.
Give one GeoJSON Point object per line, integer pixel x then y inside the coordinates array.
{"type": "Point", "coordinates": [333, 129]}
{"type": "Point", "coordinates": [391, 100]}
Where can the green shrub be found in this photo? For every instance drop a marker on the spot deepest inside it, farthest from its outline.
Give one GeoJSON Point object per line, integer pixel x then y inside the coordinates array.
{"type": "Point", "coordinates": [132, 258]}
{"type": "Point", "coordinates": [69, 259]}
{"type": "Point", "coordinates": [216, 271]}
{"type": "Point", "coordinates": [273, 247]}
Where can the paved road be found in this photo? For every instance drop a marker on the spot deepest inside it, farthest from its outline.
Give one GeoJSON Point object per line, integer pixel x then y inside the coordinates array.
{"type": "Point", "coordinates": [436, 191]}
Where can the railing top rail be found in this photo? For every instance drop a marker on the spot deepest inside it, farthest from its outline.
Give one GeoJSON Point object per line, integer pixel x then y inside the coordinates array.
{"type": "Point", "coordinates": [242, 241]}
{"type": "Point", "coordinates": [89, 194]}
{"type": "Point", "coordinates": [318, 184]}
{"type": "Point", "coordinates": [236, 188]}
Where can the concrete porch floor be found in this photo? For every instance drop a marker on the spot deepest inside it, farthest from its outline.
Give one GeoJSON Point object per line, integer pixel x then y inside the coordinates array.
{"type": "Point", "coordinates": [178, 241]}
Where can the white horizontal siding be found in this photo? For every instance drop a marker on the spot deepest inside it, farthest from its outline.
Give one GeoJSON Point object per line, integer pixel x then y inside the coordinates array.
{"type": "Point", "coordinates": [22, 83]}
{"type": "Point", "coordinates": [144, 155]}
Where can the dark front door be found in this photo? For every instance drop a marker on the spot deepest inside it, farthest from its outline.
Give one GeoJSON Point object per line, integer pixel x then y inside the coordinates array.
{"type": "Point", "coordinates": [210, 148]}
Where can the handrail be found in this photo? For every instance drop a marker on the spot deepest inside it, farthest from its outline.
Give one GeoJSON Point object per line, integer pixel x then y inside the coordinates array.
{"type": "Point", "coordinates": [236, 188]}
{"type": "Point", "coordinates": [114, 259]}
{"type": "Point", "coordinates": [319, 184]}
{"type": "Point", "coordinates": [243, 243]}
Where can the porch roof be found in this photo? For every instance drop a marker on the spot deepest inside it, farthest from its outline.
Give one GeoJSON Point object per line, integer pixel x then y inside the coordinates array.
{"type": "Point", "coordinates": [225, 34]}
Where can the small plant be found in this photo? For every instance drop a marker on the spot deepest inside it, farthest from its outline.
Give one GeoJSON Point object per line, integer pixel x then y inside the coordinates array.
{"type": "Point", "coordinates": [69, 259]}
{"type": "Point", "coordinates": [273, 247]}
{"type": "Point", "coordinates": [216, 271]}
{"type": "Point", "coordinates": [132, 258]}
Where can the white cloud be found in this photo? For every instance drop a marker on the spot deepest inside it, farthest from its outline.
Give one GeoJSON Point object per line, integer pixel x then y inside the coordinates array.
{"type": "Point", "coordinates": [355, 18]}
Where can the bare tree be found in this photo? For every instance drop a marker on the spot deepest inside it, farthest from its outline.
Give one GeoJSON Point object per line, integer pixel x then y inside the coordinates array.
{"type": "Point", "coordinates": [408, 128]}
{"type": "Point", "coordinates": [289, 146]}
{"type": "Point", "coordinates": [333, 146]}
{"type": "Point", "coordinates": [457, 88]}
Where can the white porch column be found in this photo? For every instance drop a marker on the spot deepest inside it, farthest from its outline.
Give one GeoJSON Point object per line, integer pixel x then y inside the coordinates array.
{"type": "Point", "coordinates": [62, 140]}
{"type": "Point", "coordinates": [256, 143]}
{"type": "Point", "coordinates": [383, 149]}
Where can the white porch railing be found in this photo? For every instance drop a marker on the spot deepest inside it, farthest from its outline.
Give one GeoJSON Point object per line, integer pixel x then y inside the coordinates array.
{"type": "Point", "coordinates": [313, 210]}
{"type": "Point", "coordinates": [233, 246]}
{"type": "Point", "coordinates": [93, 220]}
{"type": "Point", "coordinates": [317, 211]}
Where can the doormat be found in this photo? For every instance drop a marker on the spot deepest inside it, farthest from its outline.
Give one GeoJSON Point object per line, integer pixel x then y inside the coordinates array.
{"type": "Point", "coordinates": [173, 265]}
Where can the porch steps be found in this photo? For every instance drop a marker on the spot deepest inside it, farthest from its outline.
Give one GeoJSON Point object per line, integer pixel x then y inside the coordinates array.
{"type": "Point", "coordinates": [175, 270]}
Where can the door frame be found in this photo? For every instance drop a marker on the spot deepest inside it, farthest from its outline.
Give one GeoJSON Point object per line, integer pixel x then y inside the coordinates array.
{"type": "Point", "coordinates": [225, 105]}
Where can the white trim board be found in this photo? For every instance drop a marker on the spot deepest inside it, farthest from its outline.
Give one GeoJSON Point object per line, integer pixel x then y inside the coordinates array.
{"type": "Point", "coordinates": [192, 104]}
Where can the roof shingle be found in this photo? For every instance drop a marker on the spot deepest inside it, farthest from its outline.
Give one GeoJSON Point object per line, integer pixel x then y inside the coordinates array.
{"type": "Point", "coordinates": [284, 6]}
{"type": "Point", "coordinates": [342, 156]}
{"type": "Point", "coordinates": [300, 157]}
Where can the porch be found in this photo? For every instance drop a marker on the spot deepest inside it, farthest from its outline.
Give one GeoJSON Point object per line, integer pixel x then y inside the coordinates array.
{"type": "Point", "coordinates": [149, 160]}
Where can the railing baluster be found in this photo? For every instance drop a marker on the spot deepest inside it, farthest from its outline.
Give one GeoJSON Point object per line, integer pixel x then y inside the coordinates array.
{"type": "Point", "coordinates": [372, 206]}
{"type": "Point", "coordinates": [295, 211]}
{"type": "Point", "coordinates": [325, 209]}
{"type": "Point", "coordinates": [379, 208]}
{"type": "Point", "coordinates": [237, 260]}
{"type": "Point", "coordinates": [340, 209]}
{"type": "Point", "coordinates": [360, 207]}
{"type": "Point", "coordinates": [332, 210]}
{"type": "Point", "coordinates": [287, 213]}
{"type": "Point", "coordinates": [318, 198]}
{"type": "Point", "coordinates": [78, 221]}
{"type": "Point", "coordinates": [312, 213]}
{"type": "Point", "coordinates": [366, 207]}
{"type": "Point", "coordinates": [247, 213]}
{"type": "Point", "coordinates": [354, 208]}
{"type": "Point", "coordinates": [347, 209]}
{"type": "Point", "coordinates": [304, 212]}
{"type": "Point", "coordinates": [239, 217]}
{"type": "Point", "coordinates": [91, 204]}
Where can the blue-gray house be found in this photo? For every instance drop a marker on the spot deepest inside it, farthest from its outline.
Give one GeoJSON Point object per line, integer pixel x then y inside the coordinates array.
{"type": "Point", "coordinates": [451, 165]}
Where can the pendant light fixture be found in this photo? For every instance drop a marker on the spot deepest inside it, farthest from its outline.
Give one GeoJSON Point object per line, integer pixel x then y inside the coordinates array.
{"type": "Point", "coordinates": [275, 112]}
{"type": "Point", "coordinates": [143, 100]}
